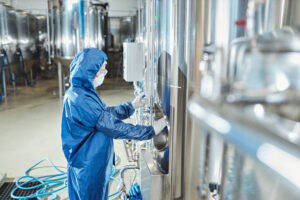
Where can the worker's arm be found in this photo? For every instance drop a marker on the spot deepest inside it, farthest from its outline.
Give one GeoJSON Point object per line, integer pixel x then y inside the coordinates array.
{"type": "Point", "coordinates": [115, 128]}
{"type": "Point", "coordinates": [122, 111]}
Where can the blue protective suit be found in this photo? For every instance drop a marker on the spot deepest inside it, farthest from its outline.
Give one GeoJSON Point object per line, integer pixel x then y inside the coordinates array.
{"type": "Point", "coordinates": [89, 127]}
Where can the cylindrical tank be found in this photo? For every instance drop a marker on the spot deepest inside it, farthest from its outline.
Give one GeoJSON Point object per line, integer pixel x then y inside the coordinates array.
{"type": "Point", "coordinates": [42, 38]}
{"type": "Point", "coordinates": [91, 26]}
{"type": "Point", "coordinates": [57, 37]}
{"type": "Point", "coordinates": [27, 34]}
{"type": "Point", "coordinates": [80, 27]}
{"type": "Point", "coordinates": [42, 29]}
{"type": "Point", "coordinates": [279, 14]}
{"type": "Point", "coordinates": [128, 29]}
{"type": "Point", "coordinates": [54, 27]}
{"type": "Point", "coordinates": [70, 29]}
{"type": "Point", "coordinates": [8, 31]}
{"type": "Point", "coordinates": [100, 27]}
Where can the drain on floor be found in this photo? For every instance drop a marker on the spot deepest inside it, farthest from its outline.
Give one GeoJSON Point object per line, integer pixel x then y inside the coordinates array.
{"type": "Point", "coordinates": [7, 187]}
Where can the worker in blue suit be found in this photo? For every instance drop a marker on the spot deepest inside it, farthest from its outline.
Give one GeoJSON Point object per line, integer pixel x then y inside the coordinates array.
{"type": "Point", "coordinates": [89, 127]}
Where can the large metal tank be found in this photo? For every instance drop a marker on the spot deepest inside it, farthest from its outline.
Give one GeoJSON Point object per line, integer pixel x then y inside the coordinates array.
{"type": "Point", "coordinates": [279, 14]}
{"type": "Point", "coordinates": [42, 38]}
{"type": "Point", "coordinates": [101, 20]}
{"type": "Point", "coordinates": [8, 31]}
{"type": "Point", "coordinates": [27, 34]}
{"type": "Point", "coordinates": [128, 29]}
{"type": "Point", "coordinates": [91, 26]}
{"type": "Point", "coordinates": [42, 29]}
{"type": "Point", "coordinates": [80, 27]}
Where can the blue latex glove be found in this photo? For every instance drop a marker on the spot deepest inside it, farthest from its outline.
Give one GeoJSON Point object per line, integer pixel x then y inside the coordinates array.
{"type": "Point", "coordinates": [135, 192]}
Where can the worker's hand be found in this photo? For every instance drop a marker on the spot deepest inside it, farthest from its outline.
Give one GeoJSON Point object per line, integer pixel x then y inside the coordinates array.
{"type": "Point", "coordinates": [139, 101]}
{"type": "Point", "coordinates": [159, 125]}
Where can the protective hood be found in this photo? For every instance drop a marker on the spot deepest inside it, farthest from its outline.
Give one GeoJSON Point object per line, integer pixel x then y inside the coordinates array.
{"type": "Point", "coordinates": [85, 66]}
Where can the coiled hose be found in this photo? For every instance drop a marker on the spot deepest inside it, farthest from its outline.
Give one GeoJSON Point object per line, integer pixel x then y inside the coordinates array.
{"type": "Point", "coordinates": [45, 183]}
{"type": "Point", "coordinates": [48, 182]}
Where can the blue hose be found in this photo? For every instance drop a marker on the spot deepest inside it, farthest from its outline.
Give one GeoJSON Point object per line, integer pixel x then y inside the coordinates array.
{"type": "Point", "coordinates": [45, 183]}
{"type": "Point", "coordinates": [50, 181]}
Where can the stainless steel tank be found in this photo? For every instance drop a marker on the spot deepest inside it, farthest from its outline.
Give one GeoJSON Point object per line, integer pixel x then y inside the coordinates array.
{"type": "Point", "coordinates": [41, 28]}
{"type": "Point", "coordinates": [101, 17]}
{"type": "Point", "coordinates": [80, 27]}
{"type": "Point", "coordinates": [91, 26]}
{"type": "Point", "coordinates": [57, 37]}
{"type": "Point", "coordinates": [54, 26]}
{"type": "Point", "coordinates": [8, 31]}
{"type": "Point", "coordinates": [42, 38]}
{"type": "Point", "coordinates": [279, 14]}
{"type": "Point", "coordinates": [128, 29]}
{"type": "Point", "coordinates": [70, 29]}
{"type": "Point", "coordinates": [25, 41]}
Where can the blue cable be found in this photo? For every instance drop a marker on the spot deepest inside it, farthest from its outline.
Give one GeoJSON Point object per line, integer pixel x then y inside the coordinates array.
{"type": "Point", "coordinates": [47, 182]}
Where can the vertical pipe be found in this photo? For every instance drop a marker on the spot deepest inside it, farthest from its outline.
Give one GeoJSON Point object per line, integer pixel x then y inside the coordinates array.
{"type": "Point", "coordinates": [139, 21]}
{"type": "Point", "coordinates": [81, 18]}
{"type": "Point", "coordinates": [60, 82]}
{"type": "Point", "coordinates": [4, 83]}
{"type": "Point", "coordinates": [48, 35]}
{"type": "Point", "coordinates": [194, 137]}
{"type": "Point", "coordinates": [52, 29]}
{"type": "Point", "coordinates": [81, 41]}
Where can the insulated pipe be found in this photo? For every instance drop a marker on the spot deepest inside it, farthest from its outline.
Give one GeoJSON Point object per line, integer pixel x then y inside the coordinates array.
{"type": "Point", "coordinates": [81, 19]}
{"type": "Point", "coordinates": [48, 36]}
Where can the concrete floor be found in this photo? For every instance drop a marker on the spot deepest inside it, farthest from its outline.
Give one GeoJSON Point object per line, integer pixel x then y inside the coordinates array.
{"type": "Point", "coordinates": [30, 120]}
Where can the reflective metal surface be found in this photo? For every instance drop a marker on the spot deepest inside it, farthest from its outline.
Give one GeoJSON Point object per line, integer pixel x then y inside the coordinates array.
{"type": "Point", "coordinates": [128, 29]}
{"type": "Point", "coordinates": [194, 144]}
{"type": "Point", "coordinates": [280, 14]}
{"type": "Point", "coordinates": [71, 42]}
{"type": "Point", "coordinates": [8, 31]}
{"type": "Point", "coordinates": [122, 29]}
{"type": "Point", "coordinates": [164, 54]}
{"type": "Point", "coordinates": [255, 157]}
{"type": "Point", "coordinates": [101, 23]}
{"type": "Point", "coordinates": [81, 27]}
{"type": "Point", "coordinates": [42, 30]}
{"type": "Point", "coordinates": [273, 66]}
{"type": "Point", "coordinates": [27, 34]}
{"type": "Point", "coordinates": [42, 44]}
{"type": "Point", "coordinates": [152, 180]}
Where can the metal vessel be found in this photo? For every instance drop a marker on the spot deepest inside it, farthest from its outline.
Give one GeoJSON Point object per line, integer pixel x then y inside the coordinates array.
{"type": "Point", "coordinates": [220, 145]}
{"type": "Point", "coordinates": [75, 25]}
{"type": "Point", "coordinates": [8, 32]}
{"type": "Point", "coordinates": [80, 27]}
{"type": "Point", "coordinates": [42, 38]}
{"type": "Point", "coordinates": [27, 35]}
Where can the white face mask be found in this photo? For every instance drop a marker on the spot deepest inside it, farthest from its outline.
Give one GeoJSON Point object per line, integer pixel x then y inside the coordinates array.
{"type": "Point", "coordinates": [100, 78]}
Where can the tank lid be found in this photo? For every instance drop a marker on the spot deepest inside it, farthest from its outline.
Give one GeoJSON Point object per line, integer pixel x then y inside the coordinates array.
{"type": "Point", "coordinates": [6, 5]}
{"type": "Point", "coordinates": [22, 11]}
{"type": "Point", "coordinates": [39, 16]}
